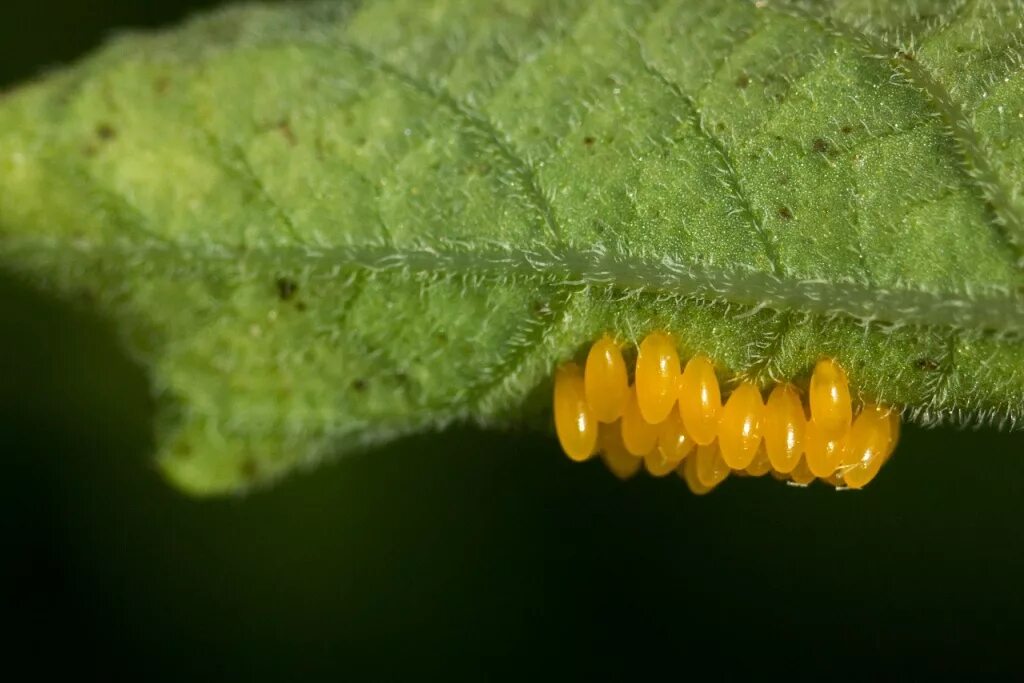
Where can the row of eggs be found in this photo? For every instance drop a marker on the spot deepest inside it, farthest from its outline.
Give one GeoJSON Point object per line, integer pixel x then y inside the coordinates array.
{"type": "Point", "coordinates": [670, 411]}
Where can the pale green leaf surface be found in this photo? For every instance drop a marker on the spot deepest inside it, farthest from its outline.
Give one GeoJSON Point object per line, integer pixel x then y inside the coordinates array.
{"type": "Point", "coordinates": [324, 226]}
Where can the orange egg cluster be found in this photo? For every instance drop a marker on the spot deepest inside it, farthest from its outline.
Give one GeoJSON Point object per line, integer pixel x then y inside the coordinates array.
{"type": "Point", "coordinates": [671, 418]}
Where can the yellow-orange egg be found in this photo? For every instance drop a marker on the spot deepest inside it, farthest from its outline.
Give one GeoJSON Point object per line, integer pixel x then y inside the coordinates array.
{"type": "Point", "coordinates": [605, 380]}
{"type": "Point", "coordinates": [639, 435]}
{"type": "Point", "coordinates": [867, 446]}
{"type": "Point", "coordinates": [687, 470]}
{"type": "Point", "coordinates": [617, 459]}
{"type": "Point", "coordinates": [829, 399]}
{"type": "Point", "coordinates": [674, 442]}
{"type": "Point", "coordinates": [657, 465]}
{"type": "Point", "coordinates": [711, 469]}
{"type": "Point", "coordinates": [574, 422]}
{"type": "Point", "coordinates": [656, 376]}
{"type": "Point", "coordinates": [740, 425]}
{"type": "Point", "coordinates": [700, 400]}
{"type": "Point", "coordinates": [823, 455]}
{"type": "Point", "coordinates": [760, 465]}
{"type": "Point", "coordinates": [836, 480]}
{"type": "Point", "coordinates": [784, 427]}
{"type": "Point", "coordinates": [802, 474]}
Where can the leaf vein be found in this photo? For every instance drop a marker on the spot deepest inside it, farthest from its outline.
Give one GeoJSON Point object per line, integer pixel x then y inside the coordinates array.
{"type": "Point", "coordinates": [992, 310]}
{"type": "Point", "coordinates": [975, 163]}
{"type": "Point", "coordinates": [728, 169]}
{"type": "Point", "coordinates": [479, 121]}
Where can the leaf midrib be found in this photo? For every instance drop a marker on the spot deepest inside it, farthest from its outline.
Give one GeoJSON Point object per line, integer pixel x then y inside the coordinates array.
{"type": "Point", "coordinates": [990, 311]}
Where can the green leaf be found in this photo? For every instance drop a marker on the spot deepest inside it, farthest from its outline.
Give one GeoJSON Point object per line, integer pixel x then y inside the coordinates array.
{"type": "Point", "coordinates": [324, 226]}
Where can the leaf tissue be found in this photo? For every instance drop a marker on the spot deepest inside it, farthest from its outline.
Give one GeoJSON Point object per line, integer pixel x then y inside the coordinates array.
{"type": "Point", "coordinates": [322, 226]}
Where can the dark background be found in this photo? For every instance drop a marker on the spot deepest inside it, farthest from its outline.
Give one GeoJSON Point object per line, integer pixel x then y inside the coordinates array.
{"type": "Point", "coordinates": [465, 553]}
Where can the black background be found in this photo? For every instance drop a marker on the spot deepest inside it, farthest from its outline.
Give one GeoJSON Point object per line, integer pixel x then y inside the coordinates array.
{"type": "Point", "coordinates": [465, 553]}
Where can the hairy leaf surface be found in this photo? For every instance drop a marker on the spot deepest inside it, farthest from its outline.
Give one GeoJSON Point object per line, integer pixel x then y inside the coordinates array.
{"type": "Point", "coordinates": [323, 226]}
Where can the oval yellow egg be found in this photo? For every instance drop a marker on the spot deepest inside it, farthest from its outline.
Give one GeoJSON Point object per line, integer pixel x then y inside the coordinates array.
{"type": "Point", "coordinates": [822, 454]}
{"type": "Point", "coordinates": [657, 465]}
{"type": "Point", "coordinates": [674, 441]}
{"type": "Point", "coordinates": [761, 464]}
{"type": "Point", "coordinates": [574, 423]}
{"type": "Point", "coordinates": [867, 446]}
{"type": "Point", "coordinates": [739, 428]}
{"type": "Point", "coordinates": [784, 428]}
{"type": "Point", "coordinates": [711, 469]}
{"type": "Point", "coordinates": [605, 380]}
{"type": "Point", "coordinates": [829, 399]}
{"type": "Point", "coordinates": [802, 474]}
{"type": "Point", "coordinates": [700, 400]}
{"type": "Point", "coordinates": [638, 434]}
{"type": "Point", "coordinates": [687, 470]}
{"type": "Point", "coordinates": [617, 459]}
{"type": "Point", "coordinates": [656, 376]}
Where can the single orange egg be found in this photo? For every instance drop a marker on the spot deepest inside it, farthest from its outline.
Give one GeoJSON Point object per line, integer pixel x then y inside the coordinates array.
{"type": "Point", "coordinates": [784, 428]}
{"type": "Point", "coordinates": [829, 399]}
{"type": "Point", "coordinates": [822, 454]}
{"type": "Point", "coordinates": [711, 469]}
{"type": "Point", "coordinates": [687, 470]}
{"type": "Point", "coordinates": [700, 400]}
{"type": "Point", "coordinates": [574, 422]}
{"type": "Point", "coordinates": [605, 380]}
{"type": "Point", "coordinates": [656, 376]}
{"type": "Point", "coordinates": [802, 474]}
{"type": "Point", "coordinates": [639, 435]}
{"type": "Point", "coordinates": [868, 446]}
{"type": "Point", "coordinates": [740, 425]}
{"type": "Point", "coordinates": [657, 465]}
{"type": "Point", "coordinates": [673, 440]}
{"type": "Point", "coordinates": [617, 459]}
{"type": "Point", "coordinates": [760, 465]}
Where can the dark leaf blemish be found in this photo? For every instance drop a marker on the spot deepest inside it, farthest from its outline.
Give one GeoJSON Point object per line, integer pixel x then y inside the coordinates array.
{"type": "Point", "coordinates": [286, 288]}
{"type": "Point", "coordinates": [105, 132]}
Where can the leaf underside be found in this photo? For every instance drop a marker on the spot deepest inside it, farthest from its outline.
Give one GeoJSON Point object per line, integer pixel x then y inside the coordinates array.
{"type": "Point", "coordinates": [327, 225]}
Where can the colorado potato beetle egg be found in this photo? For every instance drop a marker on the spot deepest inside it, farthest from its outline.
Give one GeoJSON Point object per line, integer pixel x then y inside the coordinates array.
{"type": "Point", "coordinates": [700, 400]}
{"type": "Point", "coordinates": [829, 397]}
{"type": "Point", "coordinates": [574, 420]}
{"type": "Point", "coordinates": [639, 435]}
{"type": "Point", "coordinates": [619, 461]}
{"type": "Point", "coordinates": [670, 420]}
{"type": "Point", "coordinates": [657, 377]}
{"type": "Point", "coordinates": [605, 380]}
{"type": "Point", "coordinates": [739, 429]}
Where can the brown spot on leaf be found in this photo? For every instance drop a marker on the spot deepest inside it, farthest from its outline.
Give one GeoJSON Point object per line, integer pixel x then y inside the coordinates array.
{"type": "Point", "coordinates": [360, 385]}
{"type": "Point", "coordinates": [905, 55]}
{"type": "Point", "coordinates": [847, 129]}
{"type": "Point", "coordinates": [820, 145]}
{"type": "Point", "coordinates": [742, 81]}
{"type": "Point", "coordinates": [286, 288]}
{"type": "Point", "coordinates": [105, 132]}
{"type": "Point", "coordinates": [249, 469]}
{"type": "Point", "coordinates": [161, 85]}
{"type": "Point", "coordinates": [785, 214]}
{"type": "Point", "coordinates": [284, 127]}
{"type": "Point", "coordinates": [926, 364]}
{"type": "Point", "coordinates": [589, 140]}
